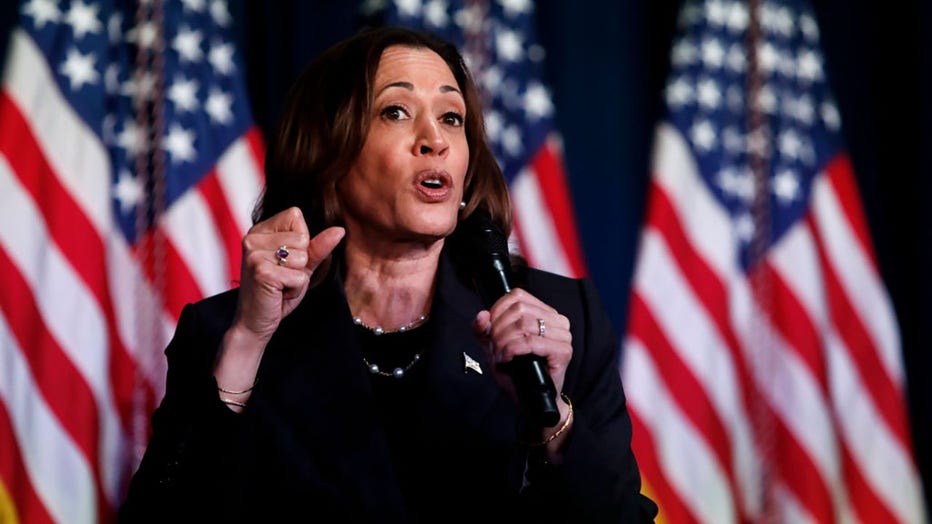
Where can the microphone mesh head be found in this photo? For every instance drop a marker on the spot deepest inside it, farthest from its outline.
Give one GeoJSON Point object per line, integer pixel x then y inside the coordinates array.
{"type": "Point", "coordinates": [485, 235]}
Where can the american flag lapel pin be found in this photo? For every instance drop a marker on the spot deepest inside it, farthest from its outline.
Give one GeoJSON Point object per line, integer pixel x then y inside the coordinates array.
{"type": "Point", "coordinates": [470, 363]}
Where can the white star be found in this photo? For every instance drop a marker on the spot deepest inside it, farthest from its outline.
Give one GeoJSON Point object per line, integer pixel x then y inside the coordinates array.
{"type": "Point", "coordinates": [79, 68]}
{"type": "Point", "coordinates": [767, 100]}
{"type": "Point", "coordinates": [727, 180]}
{"type": "Point", "coordinates": [733, 140]}
{"type": "Point", "coordinates": [712, 53]}
{"type": "Point", "coordinates": [140, 87]}
{"type": "Point", "coordinates": [435, 13]}
{"type": "Point", "coordinates": [736, 60]}
{"type": "Point", "coordinates": [744, 227]}
{"type": "Point", "coordinates": [744, 185]}
{"type": "Point", "coordinates": [785, 186]}
{"type": "Point", "coordinates": [509, 46]}
{"type": "Point", "coordinates": [112, 78]}
{"type": "Point", "coordinates": [492, 79]}
{"type": "Point", "coordinates": [767, 58]}
{"type": "Point", "coordinates": [115, 27]}
{"type": "Point", "coordinates": [179, 142]}
{"type": "Point", "coordinates": [809, 28]}
{"type": "Point", "coordinates": [758, 142]}
{"type": "Point", "coordinates": [511, 140]}
{"type": "Point", "coordinates": [408, 8]}
{"type": "Point", "coordinates": [716, 12]}
{"type": "Point", "coordinates": [790, 144]}
{"type": "Point", "coordinates": [493, 125]}
{"type": "Point", "coordinates": [469, 19]}
{"type": "Point", "coordinates": [735, 183]}
{"type": "Point", "coordinates": [127, 191]}
{"type": "Point", "coordinates": [129, 138]}
{"type": "Point", "coordinates": [702, 134]}
{"type": "Point", "coordinates": [218, 105]}
{"type": "Point", "coordinates": [689, 15]}
{"type": "Point", "coordinates": [537, 102]}
{"type": "Point", "coordinates": [830, 116]}
{"type": "Point", "coordinates": [679, 93]}
{"type": "Point", "coordinates": [801, 109]}
{"type": "Point", "coordinates": [737, 17]}
{"type": "Point", "coordinates": [783, 22]}
{"type": "Point", "coordinates": [183, 93]}
{"type": "Point", "coordinates": [734, 98]}
{"type": "Point", "coordinates": [145, 35]}
{"type": "Point", "coordinates": [683, 53]}
{"type": "Point", "coordinates": [193, 5]}
{"type": "Point", "coordinates": [188, 44]}
{"type": "Point", "coordinates": [708, 95]}
{"type": "Point", "coordinates": [42, 12]}
{"type": "Point", "coordinates": [515, 8]}
{"type": "Point", "coordinates": [220, 13]}
{"type": "Point", "coordinates": [83, 19]}
{"type": "Point", "coordinates": [221, 57]}
{"type": "Point", "coordinates": [809, 66]}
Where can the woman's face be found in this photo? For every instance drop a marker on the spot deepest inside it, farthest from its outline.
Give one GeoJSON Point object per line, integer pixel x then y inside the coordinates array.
{"type": "Point", "coordinates": [407, 182]}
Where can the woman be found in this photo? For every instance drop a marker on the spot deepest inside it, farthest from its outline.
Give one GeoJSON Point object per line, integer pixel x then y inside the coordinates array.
{"type": "Point", "coordinates": [356, 374]}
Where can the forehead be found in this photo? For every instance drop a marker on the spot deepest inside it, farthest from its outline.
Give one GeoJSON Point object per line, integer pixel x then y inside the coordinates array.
{"type": "Point", "coordinates": [412, 64]}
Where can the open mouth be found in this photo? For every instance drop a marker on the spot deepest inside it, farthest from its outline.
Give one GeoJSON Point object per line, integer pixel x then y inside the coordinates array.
{"type": "Point", "coordinates": [434, 180]}
{"type": "Point", "coordinates": [432, 183]}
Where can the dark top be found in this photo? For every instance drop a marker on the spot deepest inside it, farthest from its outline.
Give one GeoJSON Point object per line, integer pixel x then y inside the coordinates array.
{"type": "Point", "coordinates": [321, 437]}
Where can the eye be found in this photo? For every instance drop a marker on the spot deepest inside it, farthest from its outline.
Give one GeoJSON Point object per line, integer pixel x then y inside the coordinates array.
{"type": "Point", "coordinates": [394, 112]}
{"type": "Point", "coordinates": [452, 118]}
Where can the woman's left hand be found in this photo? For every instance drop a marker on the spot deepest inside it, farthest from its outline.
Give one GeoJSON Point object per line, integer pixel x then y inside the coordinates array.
{"type": "Point", "coordinates": [519, 323]}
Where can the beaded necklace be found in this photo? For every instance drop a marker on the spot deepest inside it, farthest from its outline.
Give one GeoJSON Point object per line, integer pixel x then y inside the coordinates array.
{"type": "Point", "coordinates": [399, 371]}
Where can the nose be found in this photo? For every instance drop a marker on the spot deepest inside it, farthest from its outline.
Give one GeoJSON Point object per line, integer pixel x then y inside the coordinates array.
{"type": "Point", "coordinates": [430, 138]}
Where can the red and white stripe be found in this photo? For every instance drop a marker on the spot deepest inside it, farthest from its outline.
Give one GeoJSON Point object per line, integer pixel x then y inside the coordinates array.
{"type": "Point", "coordinates": [544, 221]}
{"type": "Point", "coordinates": [749, 407]}
{"type": "Point", "coordinates": [82, 324]}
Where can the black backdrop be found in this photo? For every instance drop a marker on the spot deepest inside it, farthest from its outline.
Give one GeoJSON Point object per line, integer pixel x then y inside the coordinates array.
{"type": "Point", "coordinates": [606, 64]}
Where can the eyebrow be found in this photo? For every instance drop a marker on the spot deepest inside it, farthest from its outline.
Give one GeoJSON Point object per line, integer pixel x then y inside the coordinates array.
{"type": "Point", "coordinates": [410, 87]}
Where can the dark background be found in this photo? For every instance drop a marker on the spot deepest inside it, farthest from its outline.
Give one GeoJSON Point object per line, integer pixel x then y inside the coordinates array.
{"type": "Point", "coordinates": [607, 63]}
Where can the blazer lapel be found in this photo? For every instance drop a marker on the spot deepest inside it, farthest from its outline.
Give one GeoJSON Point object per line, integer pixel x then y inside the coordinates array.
{"type": "Point", "coordinates": [460, 379]}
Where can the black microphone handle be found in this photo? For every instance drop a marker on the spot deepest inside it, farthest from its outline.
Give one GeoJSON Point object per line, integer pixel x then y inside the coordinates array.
{"type": "Point", "coordinates": [485, 245]}
{"type": "Point", "coordinates": [534, 387]}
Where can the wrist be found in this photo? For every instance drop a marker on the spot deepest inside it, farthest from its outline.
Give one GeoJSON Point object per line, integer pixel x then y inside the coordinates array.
{"type": "Point", "coordinates": [553, 438]}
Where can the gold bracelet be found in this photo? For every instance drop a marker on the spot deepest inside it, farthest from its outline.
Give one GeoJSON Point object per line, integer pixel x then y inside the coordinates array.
{"type": "Point", "coordinates": [247, 390]}
{"type": "Point", "coordinates": [566, 424]}
{"type": "Point", "coordinates": [232, 402]}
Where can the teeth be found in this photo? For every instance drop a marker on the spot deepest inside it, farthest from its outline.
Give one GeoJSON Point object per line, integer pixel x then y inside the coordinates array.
{"type": "Point", "coordinates": [432, 183]}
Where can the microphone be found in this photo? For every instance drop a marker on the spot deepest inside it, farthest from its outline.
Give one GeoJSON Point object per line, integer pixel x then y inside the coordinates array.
{"type": "Point", "coordinates": [486, 246]}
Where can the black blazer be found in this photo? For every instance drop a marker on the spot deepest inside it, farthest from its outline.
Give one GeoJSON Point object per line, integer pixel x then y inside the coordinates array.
{"type": "Point", "coordinates": [310, 444]}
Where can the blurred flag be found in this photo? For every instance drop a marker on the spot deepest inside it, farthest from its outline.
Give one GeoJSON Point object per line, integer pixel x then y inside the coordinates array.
{"type": "Point", "coordinates": [128, 170]}
{"type": "Point", "coordinates": [762, 362]}
{"type": "Point", "coordinates": [499, 43]}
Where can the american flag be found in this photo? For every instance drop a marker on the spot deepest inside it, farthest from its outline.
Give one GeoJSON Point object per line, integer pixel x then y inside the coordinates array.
{"type": "Point", "coordinates": [129, 166]}
{"type": "Point", "coordinates": [499, 43]}
{"type": "Point", "coordinates": [762, 361]}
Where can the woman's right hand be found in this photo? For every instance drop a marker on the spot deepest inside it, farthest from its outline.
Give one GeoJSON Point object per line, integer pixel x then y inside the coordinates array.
{"type": "Point", "coordinates": [270, 291]}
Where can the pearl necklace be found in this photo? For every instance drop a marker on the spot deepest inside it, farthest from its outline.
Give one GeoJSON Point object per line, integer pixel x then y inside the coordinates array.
{"type": "Point", "coordinates": [398, 372]}
{"type": "Point", "coordinates": [378, 330]}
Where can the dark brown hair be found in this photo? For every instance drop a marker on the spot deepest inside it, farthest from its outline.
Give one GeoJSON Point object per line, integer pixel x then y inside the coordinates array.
{"type": "Point", "coordinates": [326, 118]}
